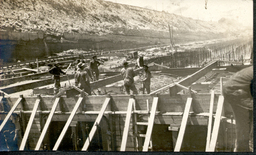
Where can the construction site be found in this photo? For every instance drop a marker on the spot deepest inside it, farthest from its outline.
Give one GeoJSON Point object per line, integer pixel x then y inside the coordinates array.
{"type": "Point", "coordinates": [184, 112]}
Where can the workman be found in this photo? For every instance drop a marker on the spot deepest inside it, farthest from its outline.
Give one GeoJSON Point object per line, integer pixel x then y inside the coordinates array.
{"type": "Point", "coordinates": [82, 79]}
{"type": "Point", "coordinates": [145, 78]}
{"type": "Point", "coordinates": [93, 66]}
{"type": "Point", "coordinates": [140, 62]}
{"type": "Point", "coordinates": [237, 92]}
{"type": "Point", "coordinates": [56, 71]}
{"type": "Point", "coordinates": [128, 76]}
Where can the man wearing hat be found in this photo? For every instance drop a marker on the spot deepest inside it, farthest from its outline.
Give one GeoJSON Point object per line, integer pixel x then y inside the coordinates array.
{"type": "Point", "coordinates": [56, 71]}
{"type": "Point", "coordinates": [93, 66]}
{"type": "Point", "coordinates": [128, 75]}
{"type": "Point", "coordinates": [145, 79]}
{"type": "Point", "coordinates": [82, 79]}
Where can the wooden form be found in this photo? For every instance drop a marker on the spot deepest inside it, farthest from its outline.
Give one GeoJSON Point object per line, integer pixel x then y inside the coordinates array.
{"type": "Point", "coordinates": [93, 107]}
{"type": "Point", "coordinates": [183, 125]}
{"type": "Point", "coordinates": [29, 125]}
{"type": "Point", "coordinates": [95, 125]}
{"type": "Point", "coordinates": [48, 121]}
{"type": "Point", "coordinates": [190, 79]}
{"type": "Point", "coordinates": [64, 130]}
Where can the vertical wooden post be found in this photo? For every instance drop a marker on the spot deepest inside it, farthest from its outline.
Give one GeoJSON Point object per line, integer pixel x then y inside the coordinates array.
{"type": "Point", "coordinates": [216, 125]}
{"type": "Point", "coordinates": [209, 129]}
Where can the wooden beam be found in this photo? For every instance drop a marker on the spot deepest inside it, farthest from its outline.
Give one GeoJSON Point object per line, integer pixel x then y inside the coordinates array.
{"type": "Point", "coordinates": [48, 121]}
{"type": "Point", "coordinates": [183, 87]}
{"type": "Point", "coordinates": [95, 125]}
{"type": "Point", "coordinates": [163, 88]}
{"type": "Point", "coordinates": [127, 123]}
{"type": "Point", "coordinates": [183, 125]}
{"type": "Point", "coordinates": [10, 112]}
{"type": "Point", "coordinates": [216, 125]}
{"type": "Point", "coordinates": [198, 74]}
{"type": "Point", "coordinates": [64, 130]}
{"type": "Point", "coordinates": [33, 84]}
{"type": "Point", "coordinates": [150, 125]}
{"type": "Point", "coordinates": [29, 69]}
{"type": "Point", "coordinates": [29, 125]}
{"type": "Point", "coordinates": [209, 129]}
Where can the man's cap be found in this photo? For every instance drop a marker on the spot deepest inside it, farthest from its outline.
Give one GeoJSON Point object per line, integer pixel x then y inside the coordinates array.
{"type": "Point", "coordinates": [145, 66]}
{"type": "Point", "coordinates": [125, 63]}
{"type": "Point", "coordinates": [94, 56]}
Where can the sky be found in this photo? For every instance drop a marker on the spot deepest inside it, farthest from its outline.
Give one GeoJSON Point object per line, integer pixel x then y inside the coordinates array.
{"type": "Point", "coordinates": [208, 10]}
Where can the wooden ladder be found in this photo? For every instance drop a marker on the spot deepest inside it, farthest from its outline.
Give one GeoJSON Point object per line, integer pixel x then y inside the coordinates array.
{"type": "Point", "coordinates": [147, 142]}
{"type": "Point", "coordinates": [150, 124]}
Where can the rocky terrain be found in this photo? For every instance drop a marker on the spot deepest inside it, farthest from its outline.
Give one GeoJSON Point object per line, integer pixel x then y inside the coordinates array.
{"type": "Point", "coordinates": [97, 17]}
{"type": "Point", "coordinates": [39, 28]}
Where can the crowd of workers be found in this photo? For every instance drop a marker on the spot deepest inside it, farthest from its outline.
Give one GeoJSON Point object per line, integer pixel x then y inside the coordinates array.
{"type": "Point", "coordinates": [85, 73]}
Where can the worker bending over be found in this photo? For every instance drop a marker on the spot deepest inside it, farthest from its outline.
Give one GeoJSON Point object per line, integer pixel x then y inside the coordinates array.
{"type": "Point", "coordinates": [128, 76]}
{"type": "Point", "coordinates": [82, 79]}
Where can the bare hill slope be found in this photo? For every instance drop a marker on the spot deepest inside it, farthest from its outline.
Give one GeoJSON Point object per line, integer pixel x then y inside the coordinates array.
{"type": "Point", "coordinates": [96, 17]}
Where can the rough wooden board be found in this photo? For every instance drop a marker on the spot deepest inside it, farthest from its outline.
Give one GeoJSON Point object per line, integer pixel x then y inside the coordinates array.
{"type": "Point", "coordinates": [216, 126]}
{"type": "Point", "coordinates": [96, 123]}
{"type": "Point", "coordinates": [209, 129]}
{"type": "Point", "coordinates": [48, 121]}
{"type": "Point", "coordinates": [183, 126]}
{"type": "Point", "coordinates": [63, 132]}
{"type": "Point", "coordinates": [9, 113]}
{"type": "Point", "coordinates": [31, 119]}
{"type": "Point", "coordinates": [127, 124]}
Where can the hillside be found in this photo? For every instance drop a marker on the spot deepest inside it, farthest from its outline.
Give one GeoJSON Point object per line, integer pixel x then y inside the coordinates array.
{"type": "Point", "coordinates": [96, 17]}
{"type": "Point", "coordinates": [32, 29]}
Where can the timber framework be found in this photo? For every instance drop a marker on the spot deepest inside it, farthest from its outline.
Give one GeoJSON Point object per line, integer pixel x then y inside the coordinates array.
{"type": "Point", "coordinates": [182, 120]}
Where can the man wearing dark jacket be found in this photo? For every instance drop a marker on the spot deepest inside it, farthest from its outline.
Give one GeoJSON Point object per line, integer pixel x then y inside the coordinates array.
{"type": "Point", "coordinates": [56, 71]}
{"type": "Point", "coordinates": [94, 64]}
{"type": "Point", "coordinates": [128, 76]}
{"type": "Point", "coordinates": [237, 92]}
{"type": "Point", "coordinates": [82, 79]}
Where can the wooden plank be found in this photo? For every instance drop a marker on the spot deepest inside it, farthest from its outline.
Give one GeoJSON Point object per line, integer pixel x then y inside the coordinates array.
{"type": "Point", "coordinates": [48, 121]}
{"type": "Point", "coordinates": [183, 125]}
{"type": "Point", "coordinates": [216, 125]}
{"type": "Point", "coordinates": [96, 123]}
{"type": "Point", "coordinates": [32, 116]}
{"type": "Point", "coordinates": [64, 130]}
{"type": "Point", "coordinates": [163, 88]}
{"type": "Point", "coordinates": [29, 69]}
{"type": "Point", "coordinates": [127, 123]}
{"type": "Point", "coordinates": [183, 87]}
{"type": "Point", "coordinates": [209, 129]}
{"type": "Point", "coordinates": [150, 125]}
{"type": "Point", "coordinates": [10, 112]}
